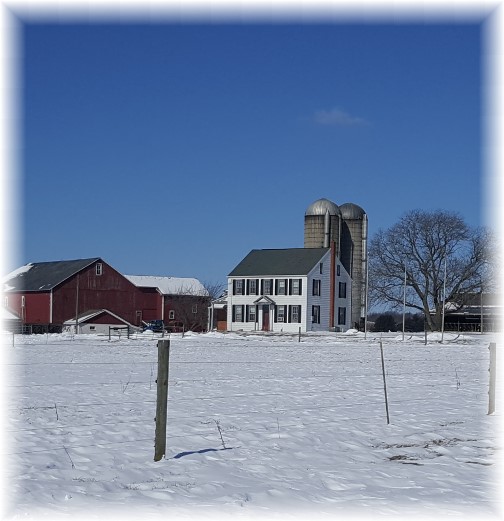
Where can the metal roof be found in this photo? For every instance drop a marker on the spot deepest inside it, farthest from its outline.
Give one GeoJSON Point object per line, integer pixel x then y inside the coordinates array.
{"type": "Point", "coordinates": [321, 206]}
{"type": "Point", "coordinates": [291, 261]}
{"type": "Point", "coordinates": [351, 211]}
{"type": "Point", "coordinates": [44, 276]}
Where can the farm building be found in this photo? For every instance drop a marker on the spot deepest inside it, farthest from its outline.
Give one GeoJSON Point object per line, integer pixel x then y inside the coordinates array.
{"type": "Point", "coordinates": [474, 312]}
{"type": "Point", "coordinates": [183, 301]}
{"type": "Point", "coordinates": [100, 321]}
{"type": "Point", "coordinates": [47, 294]}
{"type": "Point", "coordinates": [288, 289]}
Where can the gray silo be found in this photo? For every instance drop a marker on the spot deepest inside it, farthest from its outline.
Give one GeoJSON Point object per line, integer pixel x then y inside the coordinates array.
{"type": "Point", "coordinates": [322, 225]}
{"type": "Point", "coordinates": [354, 256]}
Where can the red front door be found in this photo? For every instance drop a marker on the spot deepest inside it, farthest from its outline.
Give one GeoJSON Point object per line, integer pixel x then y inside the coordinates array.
{"type": "Point", "coordinates": [265, 322]}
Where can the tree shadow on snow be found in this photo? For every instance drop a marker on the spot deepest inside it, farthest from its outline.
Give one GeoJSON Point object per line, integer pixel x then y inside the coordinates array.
{"type": "Point", "coordinates": [202, 451]}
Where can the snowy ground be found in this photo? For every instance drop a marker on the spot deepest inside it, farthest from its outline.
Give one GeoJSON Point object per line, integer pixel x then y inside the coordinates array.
{"type": "Point", "coordinates": [259, 426]}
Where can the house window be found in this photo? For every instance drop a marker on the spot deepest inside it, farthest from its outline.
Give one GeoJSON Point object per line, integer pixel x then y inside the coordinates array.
{"type": "Point", "coordinates": [281, 287]}
{"type": "Point", "coordinates": [268, 287]}
{"type": "Point", "coordinates": [171, 315]}
{"type": "Point", "coordinates": [92, 328]}
{"type": "Point", "coordinates": [99, 268]}
{"type": "Point", "coordinates": [238, 287]}
{"type": "Point", "coordinates": [295, 314]}
{"type": "Point", "coordinates": [321, 268]}
{"type": "Point", "coordinates": [238, 313]}
{"type": "Point", "coordinates": [252, 287]}
{"type": "Point", "coordinates": [316, 287]}
{"type": "Point", "coordinates": [341, 316]}
{"type": "Point", "coordinates": [195, 308]}
{"type": "Point", "coordinates": [280, 312]}
{"type": "Point", "coordinates": [251, 314]}
{"type": "Point", "coordinates": [338, 270]}
{"type": "Point", "coordinates": [342, 290]}
{"type": "Point", "coordinates": [296, 287]}
{"type": "Point", "coordinates": [316, 314]}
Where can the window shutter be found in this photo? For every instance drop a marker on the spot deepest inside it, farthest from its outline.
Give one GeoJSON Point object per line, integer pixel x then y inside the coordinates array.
{"type": "Point", "coordinates": [299, 314]}
{"type": "Point", "coordinates": [276, 313]}
{"type": "Point", "coordinates": [234, 314]}
{"type": "Point", "coordinates": [271, 286]}
{"type": "Point", "coordinates": [262, 286]}
{"type": "Point", "coordinates": [257, 286]}
{"type": "Point", "coordinates": [243, 286]}
{"type": "Point", "coordinates": [289, 315]}
{"type": "Point", "coordinates": [276, 291]}
{"type": "Point", "coordinates": [290, 286]}
{"type": "Point", "coordinates": [248, 286]}
{"type": "Point", "coordinates": [234, 290]}
{"type": "Point", "coordinates": [300, 286]}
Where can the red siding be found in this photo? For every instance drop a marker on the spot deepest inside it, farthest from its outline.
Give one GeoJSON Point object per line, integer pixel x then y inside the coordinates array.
{"type": "Point", "coordinates": [110, 290]}
{"type": "Point", "coordinates": [36, 309]}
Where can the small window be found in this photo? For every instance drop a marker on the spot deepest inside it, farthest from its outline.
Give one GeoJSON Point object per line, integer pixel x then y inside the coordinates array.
{"type": "Point", "coordinates": [280, 314]}
{"type": "Point", "coordinates": [342, 290]}
{"type": "Point", "coordinates": [321, 268]}
{"type": "Point", "coordinates": [295, 314]}
{"type": "Point", "coordinates": [316, 287]}
{"type": "Point", "coordinates": [252, 286]}
{"type": "Point", "coordinates": [238, 313]}
{"type": "Point", "coordinates": [316, 314]}
{"type": "Point", "coordinates": [92, 328]}
{"type": "Point", "coordinates": [251, 314]}
{"type": "Point", "coordinates": [341, 316]}
{"type": "Point", "coordinates": [171, 315]}
{"type": "Point", "coordinates": [281, 287]}
{"type": "Point", "coordinates": [99, 268]}
{"type": "Point", "coordinates": [296, 286]}
{"type": "Point", "coordinates": [238, 287]}
{"type": "Point", "coordinates": [268, 287]}
{"type": "Point", "coordinates": [338, 270]}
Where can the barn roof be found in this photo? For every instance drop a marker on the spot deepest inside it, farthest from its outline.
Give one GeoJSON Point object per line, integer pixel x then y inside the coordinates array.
{"type": "Point", "coordinates": [290, 261]}
{"type": "Point", "coordinates": [44, 276]}
{"type": "Point", "coordinates": [170, 285]}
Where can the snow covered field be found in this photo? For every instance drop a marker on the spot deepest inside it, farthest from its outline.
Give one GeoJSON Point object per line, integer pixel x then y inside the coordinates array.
{"type": "Point", "coordinates": [259, 426]}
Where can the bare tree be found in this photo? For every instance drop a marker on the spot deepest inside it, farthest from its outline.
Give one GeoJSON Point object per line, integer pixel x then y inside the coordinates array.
{"type": "Point", "coordinates": [418, 246]}
{"type": "Point", "coordinates": [190, 305]}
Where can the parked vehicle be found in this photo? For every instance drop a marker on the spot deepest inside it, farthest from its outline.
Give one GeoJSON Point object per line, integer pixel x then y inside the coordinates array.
{"type": "Point", "coordinates": [156, 326]}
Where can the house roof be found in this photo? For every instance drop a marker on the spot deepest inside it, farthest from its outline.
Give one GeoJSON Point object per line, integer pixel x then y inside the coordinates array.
{"type": "Point", "coordinates": [170, 285]}
{"type": "Point", "coordinates": [44, 276]}
{"type": "Point", "coordinates": [290, 261]}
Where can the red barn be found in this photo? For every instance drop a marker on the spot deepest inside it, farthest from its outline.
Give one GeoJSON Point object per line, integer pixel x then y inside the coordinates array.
{"type": "Point", "coordinates": [46, 294]}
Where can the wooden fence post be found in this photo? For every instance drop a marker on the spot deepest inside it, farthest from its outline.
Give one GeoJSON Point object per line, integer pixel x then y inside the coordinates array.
{"type": "Point", "coordinates": [493, 372]}
{"type": "Point", "coordinates": [384, 382]}
{"type": "Point", "coordinates": [162, 398]}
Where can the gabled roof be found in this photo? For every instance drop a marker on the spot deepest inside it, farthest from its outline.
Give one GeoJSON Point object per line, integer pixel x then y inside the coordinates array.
{"type": "Point", "coordinates": [290, 261]}
{"type": "Point", "coordinates": [92, 313]}
{"type": "Point", "coordinates": [44, 276]}
{"type": "Point", "coordinates": [169, 285]}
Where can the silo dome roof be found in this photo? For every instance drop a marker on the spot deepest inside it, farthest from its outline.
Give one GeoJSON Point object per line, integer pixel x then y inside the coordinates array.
{"type": "Point", "coordinates": [351, 211]}
{"type": "Point", "coordinates": [321, 206]}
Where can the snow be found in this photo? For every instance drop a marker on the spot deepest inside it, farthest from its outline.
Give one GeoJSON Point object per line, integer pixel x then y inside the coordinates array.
{"type": "Point", "coordinates": [169, 285]}
{"type": "Point", "coordinates": [14, 274]}
{"type": "Point", "coordinates": [303, 426]}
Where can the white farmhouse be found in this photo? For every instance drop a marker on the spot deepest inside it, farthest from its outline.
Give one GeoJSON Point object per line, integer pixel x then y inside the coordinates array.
{"type": "Point", "coordinates": [287, 289]}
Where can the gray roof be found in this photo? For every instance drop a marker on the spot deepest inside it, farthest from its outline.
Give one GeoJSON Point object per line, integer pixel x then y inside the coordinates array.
{"type": "Point", "coordinates": [321, 206]}
{"type": "Point", "coordinates": [44, 276]}
{"type": "Point", "coordinates": [291, 261]}
{"type": "Point", "coordinates": [351, 211]}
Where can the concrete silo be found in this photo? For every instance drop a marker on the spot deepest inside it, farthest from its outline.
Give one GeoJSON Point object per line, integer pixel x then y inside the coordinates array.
{"type": "Point", "coordinates": [322, 225]}
{"type": "Point", "coordinates": [354, 256]}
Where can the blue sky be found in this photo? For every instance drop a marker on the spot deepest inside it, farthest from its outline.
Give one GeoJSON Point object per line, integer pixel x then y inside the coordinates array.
{"type": "Point", "coordinates": [175, 149]}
